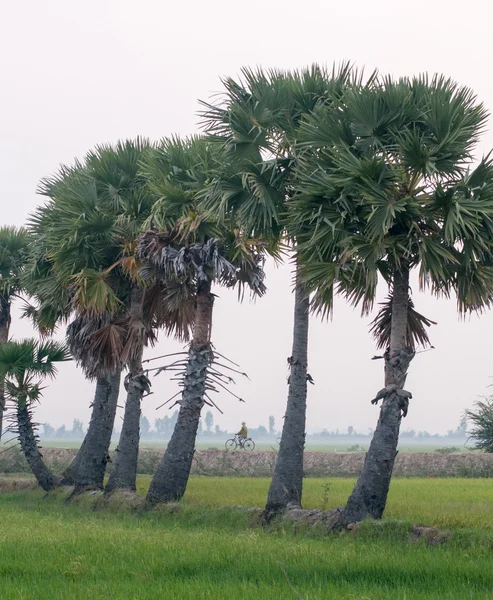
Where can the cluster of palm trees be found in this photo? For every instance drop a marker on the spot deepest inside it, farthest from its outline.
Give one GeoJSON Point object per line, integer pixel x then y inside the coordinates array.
{"type": "Point", "coordinates": [357, 180]}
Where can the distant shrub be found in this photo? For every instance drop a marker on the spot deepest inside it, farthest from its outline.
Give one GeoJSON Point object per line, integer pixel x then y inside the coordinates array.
{"type": "Point", "coordinates": [481, 418]}
{"type": "Point", "coordinates": [355, 448]}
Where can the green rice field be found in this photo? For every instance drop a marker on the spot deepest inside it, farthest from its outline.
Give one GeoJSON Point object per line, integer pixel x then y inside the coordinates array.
{"type": "Point", "coordinates": [209, 548]}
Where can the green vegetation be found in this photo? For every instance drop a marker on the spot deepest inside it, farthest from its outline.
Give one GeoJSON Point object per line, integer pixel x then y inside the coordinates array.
{"type": "Point", "coordinates": [311, 446]}
{"type": "Point", "coordinates": [359, 180]}
{"type": "Point", "coordinates": [481, 418]}
{"type": "Point", "coordinates": [444, 503]}
{"type": "Point", "coordinates": [56, 550]}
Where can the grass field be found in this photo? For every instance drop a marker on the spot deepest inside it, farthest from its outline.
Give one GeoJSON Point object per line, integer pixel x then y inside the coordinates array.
{"type": "Point", "coordinates": [53, 550]}
{"type": "Point", "coordinates": [444, 503]}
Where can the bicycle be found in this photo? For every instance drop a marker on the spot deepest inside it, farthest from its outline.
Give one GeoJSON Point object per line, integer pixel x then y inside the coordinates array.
{"type": "Point", "coordinates": [243, 443]}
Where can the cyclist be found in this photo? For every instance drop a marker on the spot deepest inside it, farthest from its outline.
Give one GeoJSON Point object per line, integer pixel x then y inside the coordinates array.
{"type": "Point", "coordinates": [243, 433]}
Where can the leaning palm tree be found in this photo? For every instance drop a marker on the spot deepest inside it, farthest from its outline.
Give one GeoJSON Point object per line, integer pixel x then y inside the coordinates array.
{"type": "Point", "coordinates": [88, 228]}
{"type": "Point", "coordinates": [119, 180]}
{"type": "Point", "coordinates": [196, 252]}
{"type": "Point", "coordinates": [53, 307]}
{"type": "Point", "coordinates": [14, 243]}
{"type": "Point", "coordinates": [385, 189]}
{"type": "Point", "coordinates": [22, 366]}
{"type": "Point", "coordinates": [257, 121]}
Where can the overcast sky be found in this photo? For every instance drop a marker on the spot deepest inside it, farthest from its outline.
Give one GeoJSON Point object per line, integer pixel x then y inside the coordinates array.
{"type": "Point", "coordinates": [75, 74]}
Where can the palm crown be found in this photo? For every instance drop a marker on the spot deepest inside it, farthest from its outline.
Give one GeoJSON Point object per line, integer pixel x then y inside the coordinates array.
{"type": "Point", "coordinates": [386, 184]}
{"type": "Point", "coordinates": [187, 247]}
{"type": "Point", "coordinates": [86, 263]}
{"type": "Point", "coordinates": [257, 122]}
{"type": "Point", "coordinates": [14, 244]}
{"type": "Point", "coordinates": [23, 364]}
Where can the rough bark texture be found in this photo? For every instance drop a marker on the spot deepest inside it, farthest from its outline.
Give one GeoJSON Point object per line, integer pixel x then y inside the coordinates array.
{"type": "Point", "coordinates": [70, 474]}
{"type": "Point", "coordinates": [369, 496]}
{"type": "Point", "coordinates": [171, 477]}
{"type": "Point", "coordinates": [124, 473]}
{"type": "Point", "coordinates": [90, 467]}
{"type": "Point", "coordinates": [287, 481]}
{"type": "Point", "coordinates": [4, 337]}
{"type": "Point", "coordinates": [29, 446]}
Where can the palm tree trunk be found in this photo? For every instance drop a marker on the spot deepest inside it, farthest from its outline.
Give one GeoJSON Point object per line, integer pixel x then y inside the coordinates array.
{"type": "Point", "coordinates": [124, 473]}
{"type": "Point", "coordinates": [171, 477]}
{"type": "Point", "coordinates": [287, 481]}
{"type": "Point", "coordinates": [90, 462]}
{"type": "Point", "coordinates": [4, 337]}
{"type": "Point", "coordinates": [369, 496]}
{"type": "Point", "coordinates": [29, 445]}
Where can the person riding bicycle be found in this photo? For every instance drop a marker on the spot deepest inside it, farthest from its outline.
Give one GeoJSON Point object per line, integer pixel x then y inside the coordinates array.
{"type": "Point", "coordinates": [241, 440]}
{"type": "Point", "coordinates": [243, 433]}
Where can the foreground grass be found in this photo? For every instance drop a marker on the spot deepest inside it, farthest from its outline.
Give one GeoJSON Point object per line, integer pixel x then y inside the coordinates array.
{"type": "Point", "coordinates": [53, 550]}
{"type": "Point", "coordinates": [445, 503]}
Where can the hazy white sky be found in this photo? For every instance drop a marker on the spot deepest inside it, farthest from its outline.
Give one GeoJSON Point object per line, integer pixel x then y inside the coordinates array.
{"type": "Point", "coordinates": [75, 74]}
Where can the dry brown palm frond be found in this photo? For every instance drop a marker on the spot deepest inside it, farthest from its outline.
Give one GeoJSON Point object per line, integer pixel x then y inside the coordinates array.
{"type": "Point", "coordinates": [416, 326]}
{"type": "Point", "coordinates": [171, 307]}
{"type": "Point", "coordinates": [231, 262]}
{"type": "Point", "coordinates": [131, 267]}
{"type": "Point", "coordinates": [97, 342]}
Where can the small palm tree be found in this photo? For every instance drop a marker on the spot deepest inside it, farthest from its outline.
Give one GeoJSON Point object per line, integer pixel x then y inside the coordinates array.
{"type": "Point", "coordinates": [186, 248]}
{"type": "Point", "coordinates": [386, 187]}
{"type": "Point", "coordinates": [53, 308]}
{"type": "Point", "coordinates": [23, 365]}
{"type": "Point", "coordinates": [14, 244]}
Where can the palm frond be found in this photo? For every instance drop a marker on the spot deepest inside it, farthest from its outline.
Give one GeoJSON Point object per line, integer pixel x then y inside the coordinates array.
{"type": "Point", "coordinates": [385, 180]}
{"type": "Point", "coordinates": [22, 361]}
{"type": "Point", "coordinates": [417, 324]}
{"type": "Point", "coordinates": [97, 343]}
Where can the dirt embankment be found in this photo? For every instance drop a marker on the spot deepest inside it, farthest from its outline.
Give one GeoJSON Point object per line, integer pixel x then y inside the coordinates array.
{"type": "Point", "coordinates": [343, 464]}
{"type": "Point", "coordinates": [260, 464]}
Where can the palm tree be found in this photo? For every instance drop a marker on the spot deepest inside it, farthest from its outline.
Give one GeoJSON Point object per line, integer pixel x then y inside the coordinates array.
{"type": "Point", "coordinates": [14, 243]}
{"type": "Point", "coordinates": [54, 307]}
{"type": "Point", "coordinates": [386, 187]}
{"type": "Point", "coordinates": [22, 367]}
{"type": "Point", "coordinates": [196, 252]}
{"type": "Point", "coordinates": [257, 121]}
{"type": "Point", "coordinates": [88, 229]}
{"type": "Point", "coordinates": [120, 181]}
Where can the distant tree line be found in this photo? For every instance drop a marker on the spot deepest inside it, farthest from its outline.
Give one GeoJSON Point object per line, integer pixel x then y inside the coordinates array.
{"type": "Point", "coordinates": [460, 432]}
{"type": "Point", "coordinates": [163, 429]}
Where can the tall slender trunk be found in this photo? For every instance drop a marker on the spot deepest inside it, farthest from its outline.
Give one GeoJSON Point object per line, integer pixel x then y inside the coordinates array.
{"type": "Point", "coordinates": [4, 337]}
{"type": "Point", "coordinates": [124, 473]}
{"type": "Point", "coordinates": [171, 477]}
{"type": "Point", "coordinates": [29, 445]}
{"type": "Point", "coordinates": [90, 463]}
{"type": "Point", "coordinates": [287, 481]}
{"type": "Point", "coordinates": [369, 496]}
